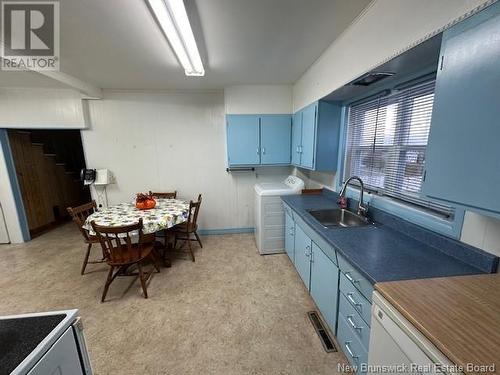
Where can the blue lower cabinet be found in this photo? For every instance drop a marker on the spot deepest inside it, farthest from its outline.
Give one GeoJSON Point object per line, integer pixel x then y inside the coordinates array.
{"type": "Point", "coordinates": [243, 140]}
{"type": "Point", "coordinates": [289, 236]}
{"type": "Point", "coordinates": [359, 327]}
{"type": "Point", "coordinates": [275, 139]}
{"type": "Point", "coordinates": [351, 345]}
{"type": "Point", "coordinates": [324, 282]}
{"type": "Point", "coordinates": [355, 298]}
{"type": "Point", "coordinates": [303, 255]}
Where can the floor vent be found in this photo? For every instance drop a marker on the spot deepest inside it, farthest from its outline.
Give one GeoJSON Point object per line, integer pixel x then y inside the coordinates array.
{"type": "Point", "coordinates": [323, 334]}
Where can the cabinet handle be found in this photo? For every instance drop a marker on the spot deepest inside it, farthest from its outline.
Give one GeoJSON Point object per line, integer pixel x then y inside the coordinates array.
{"type": "Point", "coordinates": [353, 325]}
{"type": "Point", "coordinates": [300, 148]}
{"type": "Point", "coordinates": [349, 277]}
{"type": "Point", "coordinates": [263, 150]}
{"type": "Point", "coordinates": [349, 350]}
{"type": "Point", "coordinates": [349, 297]}
{"type": "Point", "coordinates": [306, 253]}
{"type": "Point", "coordinates": [297, 150]}
{"type": "Point", "coordinates": [258, 149]}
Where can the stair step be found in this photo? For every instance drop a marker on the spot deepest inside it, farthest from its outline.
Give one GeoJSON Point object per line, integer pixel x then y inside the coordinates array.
{"type": "Point", "coordinates": [61, 164]}
{"type": "Point", "coordinates": [70, 172]}
{"type": "Point", "coordinates": [36, 144]}
{"type": "Point", "coordinates": [23, 131]}
{"type": "Point", "coordinates": [50, 155]}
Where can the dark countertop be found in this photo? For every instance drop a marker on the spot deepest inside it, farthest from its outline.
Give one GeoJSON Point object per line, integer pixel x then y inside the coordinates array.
{"type": "Point", "coordinates": [20, 336]}
{"type": "Point", "coordinates": [381, 253]}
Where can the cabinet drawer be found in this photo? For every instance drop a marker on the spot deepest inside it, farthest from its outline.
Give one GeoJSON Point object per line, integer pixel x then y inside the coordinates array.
{"type": "Point", "coordinates": [350, 345]}
{"type": "Point", "coordinates": [355, 277]}
{"type": "Point", "coordinates": [356, 323]}
{"type": "Point", "coordinates": [355, 298]}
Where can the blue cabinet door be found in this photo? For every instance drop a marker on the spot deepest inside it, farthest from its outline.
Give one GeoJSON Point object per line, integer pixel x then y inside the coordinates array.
{"type": "Point", "coordinates": [243, 139]}
{"type": "Point", "coordinates": [275, 139]}
{"type": "Point", "coordinates": [308, 136]}
{"type": "Point", "coordinates": [296, 137]}
{"type": "Point", "coordinates": [289, 237]}
{"type": "Point", "coordinates": [324, 285]}
{"type": "Point", "coordinates": [303, 255]}
{"type": "Point", "coordinates": [463, 157]}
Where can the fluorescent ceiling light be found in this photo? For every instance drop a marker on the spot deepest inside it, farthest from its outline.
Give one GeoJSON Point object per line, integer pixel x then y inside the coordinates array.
{"type": "Point", "coordinates": [173, 19]}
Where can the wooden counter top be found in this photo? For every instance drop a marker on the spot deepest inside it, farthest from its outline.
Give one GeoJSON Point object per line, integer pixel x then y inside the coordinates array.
{"type": "Point", "coordinates": [459, 315]}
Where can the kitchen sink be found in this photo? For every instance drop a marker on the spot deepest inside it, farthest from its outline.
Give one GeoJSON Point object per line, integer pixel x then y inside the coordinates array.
{"type": "Point", "coordinates": [338, 217]}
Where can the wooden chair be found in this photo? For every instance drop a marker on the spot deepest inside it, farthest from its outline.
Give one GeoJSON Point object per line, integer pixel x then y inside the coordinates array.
{"type": "Point", "coordinates": [185, 230]}
{"type": "Point", "coordinates": [170, 195]}
{"type": "Point", "coordinates": [164, 233]}
{"type": "Point", "coordinates": [79, 215]}
{"type": "Point", "coordinates": [120, 252]}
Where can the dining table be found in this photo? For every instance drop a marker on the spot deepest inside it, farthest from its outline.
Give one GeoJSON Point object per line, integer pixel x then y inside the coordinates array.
{"type": "Point", "coordinates": [166, 214]}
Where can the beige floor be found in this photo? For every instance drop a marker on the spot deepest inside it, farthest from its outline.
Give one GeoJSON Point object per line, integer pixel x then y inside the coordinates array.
{"type": "Point", "coordinates": [231, 312]}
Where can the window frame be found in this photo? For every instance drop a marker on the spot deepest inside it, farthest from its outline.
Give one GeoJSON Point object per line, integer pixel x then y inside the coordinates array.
{"type": "Point", "coordinates": [405, 210]}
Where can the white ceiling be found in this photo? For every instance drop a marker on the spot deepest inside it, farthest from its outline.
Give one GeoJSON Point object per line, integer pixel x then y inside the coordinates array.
{"type": "Point", "coordinates": [117, 44]}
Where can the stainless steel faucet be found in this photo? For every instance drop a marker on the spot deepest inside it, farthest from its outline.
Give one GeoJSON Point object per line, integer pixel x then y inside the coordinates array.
{"type": "Point", "coordinates": [362, 209]}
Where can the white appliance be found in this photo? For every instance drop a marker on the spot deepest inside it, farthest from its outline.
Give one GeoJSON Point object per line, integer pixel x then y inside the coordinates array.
{"type": "Point", "coordinates": [269, 213]}
{"type": "Point", "coordinates": [103, 178]}
{"type": "Point", "coordinates": [44, 343]}
{"type": "Point", "coordinates": [4, 235]}
{"type": "Point", "coordinates": [397, 347]}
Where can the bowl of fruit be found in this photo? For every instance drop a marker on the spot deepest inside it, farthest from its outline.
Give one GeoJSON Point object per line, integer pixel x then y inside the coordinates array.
{"type": "Point", "coordinates": [145, 201]}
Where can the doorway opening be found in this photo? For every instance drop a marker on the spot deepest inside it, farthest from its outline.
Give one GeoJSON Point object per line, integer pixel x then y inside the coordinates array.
{"type": "Point", "coordinates": [48, 164]}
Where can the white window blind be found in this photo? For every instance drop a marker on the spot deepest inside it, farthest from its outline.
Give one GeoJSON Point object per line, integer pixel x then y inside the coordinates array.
{"type": "Point", "coordinates": [386, 143]}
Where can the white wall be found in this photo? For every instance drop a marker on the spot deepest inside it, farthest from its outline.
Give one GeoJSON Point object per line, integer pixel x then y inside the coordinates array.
{"type": "Point", "coordinates": [172, 141]}
{"type": "Point", "coordinates": [41, 108]}
{"type": "Point", "coordinates": [382, 31]}
{"type": "Point", "coordinates": [482, 232]}
{"type": "Point", "coordinates": [258, 99]}
{"type": "Point", "coordinates": [8, 203]}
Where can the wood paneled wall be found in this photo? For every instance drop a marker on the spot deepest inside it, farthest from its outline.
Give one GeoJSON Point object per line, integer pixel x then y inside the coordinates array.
{"type": "Point", "coordinates": [46, 187]}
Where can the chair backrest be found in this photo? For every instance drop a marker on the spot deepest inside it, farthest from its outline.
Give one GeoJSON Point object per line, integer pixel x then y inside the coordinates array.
{"type": "Point", "coordinates": [79, 215]}
{"type": "Point", "coordinates": [117, 243]}
{"type": "Point", "coordinates": [169, 195]}
{"type": "Point", "coordinates": [194, 209]}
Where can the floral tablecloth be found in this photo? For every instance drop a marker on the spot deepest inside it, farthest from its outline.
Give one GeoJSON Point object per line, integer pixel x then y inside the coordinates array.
{"type": "Point", "coordinates": [166, 214]}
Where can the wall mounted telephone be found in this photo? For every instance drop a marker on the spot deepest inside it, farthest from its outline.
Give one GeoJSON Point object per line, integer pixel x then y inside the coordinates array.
{"type": "Point", "coordinates": [87, 176]}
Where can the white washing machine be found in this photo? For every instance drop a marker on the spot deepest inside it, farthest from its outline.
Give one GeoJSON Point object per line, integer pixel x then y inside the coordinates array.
{"type": "Point", "coordinates": [269, 213]}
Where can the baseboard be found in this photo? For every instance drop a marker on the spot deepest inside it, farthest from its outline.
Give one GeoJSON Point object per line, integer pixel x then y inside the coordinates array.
{"type": "Point", "coordinates": [208, 232]}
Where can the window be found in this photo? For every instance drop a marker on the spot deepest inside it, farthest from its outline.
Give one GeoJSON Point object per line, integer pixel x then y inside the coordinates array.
{"type": "Point", "coordinates": [386, 143]}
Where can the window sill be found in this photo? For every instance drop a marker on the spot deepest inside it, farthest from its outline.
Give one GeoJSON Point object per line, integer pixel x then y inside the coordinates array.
{"type": "Point", "coordinates": [419, 216]}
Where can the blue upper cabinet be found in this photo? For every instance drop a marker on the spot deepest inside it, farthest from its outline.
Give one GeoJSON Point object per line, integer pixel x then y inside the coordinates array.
{"type": "Point", "coordinates": [296, 137]}
{"type": "Point", "coordinates": [275, 139]}
{"type": "Point", "coordinates": [315, 136]}
{"type": "Point", "coordinates": [258, 139]}
{"type": "Point", "coordinates": [308, 136]}
{"type": "Point", "coordinates": [463, 155]}
{"type": "Point", "coordinates": [243, 139]}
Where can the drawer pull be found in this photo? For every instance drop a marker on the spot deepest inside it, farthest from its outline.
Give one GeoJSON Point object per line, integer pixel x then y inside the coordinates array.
{"type": "Point", "coordinates": [352, 323]}
{"type": "Point", "coordinates": [349, 277]}
{"type": "Point", "coordinates": [349, 350]}
{"type": "Point", "coordinates": [349, 297]}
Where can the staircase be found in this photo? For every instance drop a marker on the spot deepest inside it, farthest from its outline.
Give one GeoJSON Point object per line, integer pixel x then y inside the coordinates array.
{"type": "Point", "coordinates": [47, 165]}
